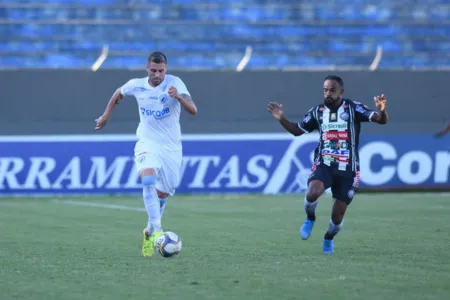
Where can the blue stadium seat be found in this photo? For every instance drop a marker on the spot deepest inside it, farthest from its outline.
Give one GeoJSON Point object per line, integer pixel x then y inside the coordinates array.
{"type": "Point", "coordinates": [214, 33]}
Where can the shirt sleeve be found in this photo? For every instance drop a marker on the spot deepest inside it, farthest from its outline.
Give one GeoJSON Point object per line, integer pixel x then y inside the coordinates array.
{"type": "Point", "coordinates": [363, 113]}
{"type": "Point", "coordinates": [180, 86]}
{"type": "Point", "coordinates": [128, 88]}
{"type": "Point", "coordinates": [309, 122]}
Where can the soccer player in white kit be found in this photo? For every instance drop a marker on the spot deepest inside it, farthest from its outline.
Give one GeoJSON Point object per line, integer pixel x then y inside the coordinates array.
{"type": "Point", "coordinates": [158, 151]}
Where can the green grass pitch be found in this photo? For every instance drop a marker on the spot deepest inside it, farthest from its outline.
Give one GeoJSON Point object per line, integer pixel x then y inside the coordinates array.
{"type": "Point", "coordinates": [392, 246]}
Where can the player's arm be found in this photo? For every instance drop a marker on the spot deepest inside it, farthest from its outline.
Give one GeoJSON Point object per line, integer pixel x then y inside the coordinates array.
{"type": "Point", "coordinates": [180, 92]}
{"type": "Point", "coordinates": [444, 131]}
{"type": "Point", "coordinates": [115, 99]}
{"type": "Point", "coordinates": [187, 102]}
{"type": "Point", "coordinates": [364, 114]}
{"type": "Point", "coordinates": [381, 117]}
{"type": "Point", "coordinates": [291, 127]}
{"type": "Point", "coordinates": [295, 129]}
{"type": "Point", "coordinates": [113, 102]}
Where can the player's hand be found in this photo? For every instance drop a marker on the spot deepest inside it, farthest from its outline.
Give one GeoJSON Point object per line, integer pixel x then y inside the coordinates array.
{"type": "Point", "coordinates": [100, 122]}
{"type": "Point", "coordinates": [276, 110]}
{"type": "Point", "coordinates": [380, 102]}
{"type": "Point", "coordinates": [173, 92]}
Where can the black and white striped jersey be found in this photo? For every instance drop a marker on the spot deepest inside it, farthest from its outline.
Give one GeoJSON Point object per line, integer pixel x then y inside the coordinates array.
{"type": "Point", "coordinates": [339, 132]}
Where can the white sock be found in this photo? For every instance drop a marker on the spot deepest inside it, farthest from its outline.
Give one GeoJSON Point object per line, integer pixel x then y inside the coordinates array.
{"type": "Point", "coordinates": [333, 229]}
{"type": "Point", "coordinates": [162, 205]}
{"type": "Point", "coordinates": [151, 202]}
{"type": "Point", "coordinates": [310, 207]}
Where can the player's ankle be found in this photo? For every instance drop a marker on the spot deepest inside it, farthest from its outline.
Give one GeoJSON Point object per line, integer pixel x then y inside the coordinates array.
{"type": "Point", "coordinates": [329, 236]}
{"type": "Point", "coordinates": [311, 217]}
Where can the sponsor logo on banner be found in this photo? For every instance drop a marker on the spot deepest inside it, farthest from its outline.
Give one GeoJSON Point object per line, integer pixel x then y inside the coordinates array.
{"type": "Point", "coordinates": [256, 163]}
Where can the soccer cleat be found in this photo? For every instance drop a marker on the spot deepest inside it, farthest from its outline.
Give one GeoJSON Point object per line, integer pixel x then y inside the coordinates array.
{"type": "Point", "coordinates": [147, 246]}
{"type": "Point", "coordinates": [328, 246]}
{"type": "Point", "coordinates": [154, 237]}
{"type": "Point", "coordinates": [306, 229]}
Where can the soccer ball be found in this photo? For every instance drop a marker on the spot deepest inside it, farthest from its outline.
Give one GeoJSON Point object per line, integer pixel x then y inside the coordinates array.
{"type": "Point", "coordinates": [168, 244]}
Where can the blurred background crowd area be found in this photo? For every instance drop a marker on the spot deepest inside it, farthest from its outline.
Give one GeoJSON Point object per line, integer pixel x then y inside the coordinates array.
{"type": "Point", "coordinates": [215, 34]}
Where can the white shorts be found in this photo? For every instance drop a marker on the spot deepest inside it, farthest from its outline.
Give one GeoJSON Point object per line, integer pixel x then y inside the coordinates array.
{"type": "Point", "coordinates": [166, 163]}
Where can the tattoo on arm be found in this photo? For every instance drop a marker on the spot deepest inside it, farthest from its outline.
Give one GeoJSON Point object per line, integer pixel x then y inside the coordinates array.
{"type": "Point", "coordinates": [187, 103]}
{"type": "Point", "coordinates": [119, 97]}
{"type": "Point", "coordinates": [186, 98]}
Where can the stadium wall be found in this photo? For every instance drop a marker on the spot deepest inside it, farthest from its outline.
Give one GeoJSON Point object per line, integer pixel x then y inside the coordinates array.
{"type": "Point", "coordinates": [68, 101]}
{"type": "Point", "coordinates": [39, 155]}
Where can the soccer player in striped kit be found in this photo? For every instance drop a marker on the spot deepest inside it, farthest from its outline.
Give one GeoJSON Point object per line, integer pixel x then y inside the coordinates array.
{"type": "Point", "coordinates": [336, 160]}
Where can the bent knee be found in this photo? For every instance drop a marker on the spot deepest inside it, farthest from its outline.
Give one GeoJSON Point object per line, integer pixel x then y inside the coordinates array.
{"type": "Point", "coordinates": [148, 180]}
{"type": "Point", "coordinates": [147, 172]}
{"type": "Point", "coordinates": [162, 195]}
{"type": "Point", "coordinates": [315, 189]}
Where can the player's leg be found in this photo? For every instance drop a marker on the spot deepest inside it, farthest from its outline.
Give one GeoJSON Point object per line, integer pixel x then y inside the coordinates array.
{"type": "Point", "coordinates": [152, 206]}
{"type": "Point", "coordinates": [318, 182]}
{"type": "Point", "coordinates": [343, 190]}
{"type": "Point", "coordinates": [168, 177]}
{"type": "Point", "coordinates": [162, 201]}
{"type": "Point", "coordinates": [334, 225]}
{"type": "Point", "coordinates": [148, 164]}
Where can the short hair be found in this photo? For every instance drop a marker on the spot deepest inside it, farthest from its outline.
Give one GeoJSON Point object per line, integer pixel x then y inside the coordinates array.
{"type": "Point", "coordinates": [335, 78]}
{"type": "Point", "coordinates": [157, 57]}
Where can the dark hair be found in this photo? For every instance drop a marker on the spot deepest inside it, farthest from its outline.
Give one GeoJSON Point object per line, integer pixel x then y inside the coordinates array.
{"type": "Point", "coordinates": [157, 57]}
{"type": "Point", "coordinates": [335, 78]}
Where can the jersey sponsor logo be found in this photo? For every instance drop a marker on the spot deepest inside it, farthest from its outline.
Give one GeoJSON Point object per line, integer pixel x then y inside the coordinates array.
{"type": "Point", "coordinates": [335, 145]}
{"type": "Point", "coordinates": [139, 89]}
{"type": "Point", "coordinates": [360, 109]}
{"type": "Point", "coordinates": [334, 126]}
{"type": "Point", "coordinates": [335, 152]}
{"type": "Point", "coordinates": [307, 118]}
{"type": "Point", "coordinates": [344, 116]}
{"type": "Point", "coordinates": [335, 136]}
{"type": "Point", "coordinates": [158, 114]}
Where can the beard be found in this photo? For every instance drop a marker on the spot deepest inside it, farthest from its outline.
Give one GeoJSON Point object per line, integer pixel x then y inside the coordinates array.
{"type": "Point", "coordinates": [330, 100]}
{"type": "Point", "coordinates": [156, 81]}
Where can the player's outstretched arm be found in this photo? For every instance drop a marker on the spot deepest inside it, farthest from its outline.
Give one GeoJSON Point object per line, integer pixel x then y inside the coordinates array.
{"type": "Point", "coordinates": [103, 119]}
{"type": "Point", "coordinates": [444, 131]}
{"type": "Point", "coordinates": [277, 112]}
{"type": "Point", "coordinates": [184, 99]}
{"type": "Point", "coordinates": [382, 116]}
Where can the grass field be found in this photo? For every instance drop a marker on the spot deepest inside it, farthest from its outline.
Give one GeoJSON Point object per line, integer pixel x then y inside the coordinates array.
{"type": "Point", "coordinates": [234, 247]}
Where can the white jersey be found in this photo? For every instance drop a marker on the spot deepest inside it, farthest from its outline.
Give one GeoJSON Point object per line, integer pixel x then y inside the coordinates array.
{"type": "Point", "coordinates": [159, 113]}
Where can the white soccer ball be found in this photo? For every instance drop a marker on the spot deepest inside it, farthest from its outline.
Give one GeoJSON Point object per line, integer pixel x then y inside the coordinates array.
{"type": "Point", "coordinates": [168, 244]}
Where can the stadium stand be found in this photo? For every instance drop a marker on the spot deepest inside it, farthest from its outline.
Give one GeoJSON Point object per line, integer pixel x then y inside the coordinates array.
{"type": "Point", "coordinates": [214, 34]}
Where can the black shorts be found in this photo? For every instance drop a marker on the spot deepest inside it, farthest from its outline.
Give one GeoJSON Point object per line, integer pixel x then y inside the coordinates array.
{"type": "Point", "coordinates": [343, 183]}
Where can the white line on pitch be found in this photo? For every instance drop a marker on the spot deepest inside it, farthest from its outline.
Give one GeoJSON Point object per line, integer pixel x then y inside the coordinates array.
{"type": "Point", "coordinates": [13, 203]}
{"type": "Point", "coordinates": [101, 205]}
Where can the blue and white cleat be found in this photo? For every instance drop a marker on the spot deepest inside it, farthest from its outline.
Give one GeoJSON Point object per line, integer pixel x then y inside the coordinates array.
{"type": "Point", "coordinates": [306, 229]}
{"type": "Point", "coordinates": [328, 246]}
